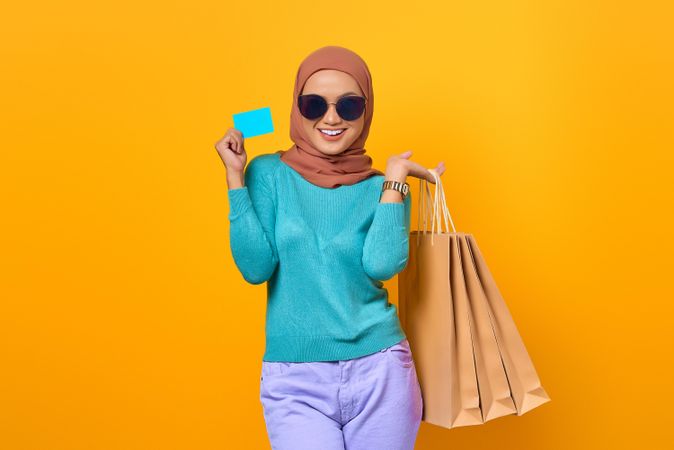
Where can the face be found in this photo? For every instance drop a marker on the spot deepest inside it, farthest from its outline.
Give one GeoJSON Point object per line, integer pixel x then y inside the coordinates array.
{"type": "Point", "coordinates": [332, 84]}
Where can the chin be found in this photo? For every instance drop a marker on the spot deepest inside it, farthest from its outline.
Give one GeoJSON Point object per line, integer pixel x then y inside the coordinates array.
{"type": "Point", "coordinates": [328, 149]}
{"type": "Point", "coordinates": [331, 150]}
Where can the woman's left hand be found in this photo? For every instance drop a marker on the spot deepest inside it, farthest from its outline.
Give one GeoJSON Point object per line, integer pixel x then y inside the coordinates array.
{"type": "Point", "coordinates": [398, 167]}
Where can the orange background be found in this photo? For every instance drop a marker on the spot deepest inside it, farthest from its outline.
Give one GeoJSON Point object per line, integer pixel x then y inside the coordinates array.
{"type": "Point", "coordinates": [125, 323]}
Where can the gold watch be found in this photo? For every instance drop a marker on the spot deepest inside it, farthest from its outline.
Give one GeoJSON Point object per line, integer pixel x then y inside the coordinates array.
{"type": "Point", "coordinates": [403, 188]}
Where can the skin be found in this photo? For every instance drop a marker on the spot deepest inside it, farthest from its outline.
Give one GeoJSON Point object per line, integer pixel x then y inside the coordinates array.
{"type": "Point", "coordinates": [331, 84]}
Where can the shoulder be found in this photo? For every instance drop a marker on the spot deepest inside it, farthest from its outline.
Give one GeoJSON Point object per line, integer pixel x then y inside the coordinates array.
{"type": "Point", "coordinates": [263, 166]}
{"type": "Point", "coordinates": [264, 163]}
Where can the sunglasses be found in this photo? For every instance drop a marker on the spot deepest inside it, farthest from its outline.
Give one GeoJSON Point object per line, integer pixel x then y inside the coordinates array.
{"type": "Point", "coordinates": [313, 106]}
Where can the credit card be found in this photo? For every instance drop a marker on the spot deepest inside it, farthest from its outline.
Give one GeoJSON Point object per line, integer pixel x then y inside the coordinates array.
{"type": "Point", "coordinates": [254, 122]}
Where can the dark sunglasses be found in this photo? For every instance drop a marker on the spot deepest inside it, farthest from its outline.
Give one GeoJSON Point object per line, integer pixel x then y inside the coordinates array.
{"type": "Point", "coordinates": [313, 106]}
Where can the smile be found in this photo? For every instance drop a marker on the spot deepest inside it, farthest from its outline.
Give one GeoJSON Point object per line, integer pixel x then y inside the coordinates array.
{"type": "Point", "coordinates": [331, 132]}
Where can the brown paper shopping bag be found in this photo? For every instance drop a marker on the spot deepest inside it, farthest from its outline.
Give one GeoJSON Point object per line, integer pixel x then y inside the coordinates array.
{"type": "Point", "coordinates": [471, 361]}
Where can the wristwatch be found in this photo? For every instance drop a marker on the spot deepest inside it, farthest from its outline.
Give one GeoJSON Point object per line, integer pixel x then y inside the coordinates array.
{"type": "Point", "coordinates": [403, 188]}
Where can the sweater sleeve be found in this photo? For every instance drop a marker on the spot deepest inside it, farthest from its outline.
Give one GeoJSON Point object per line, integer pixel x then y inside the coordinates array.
{"type": "Point", "coordinates": [386, 247]}
{"type": "Point", "coordinates": [252, 215]}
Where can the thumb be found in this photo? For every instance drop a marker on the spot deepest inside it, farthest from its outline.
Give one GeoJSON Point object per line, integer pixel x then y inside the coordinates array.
{"type": "Point", "coordinates": [406, 154]}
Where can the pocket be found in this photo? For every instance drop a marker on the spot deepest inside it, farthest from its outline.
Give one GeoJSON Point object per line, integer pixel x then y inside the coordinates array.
{"type": "Point", "coordinates": [276, 381]}
{"type": "Point", "coordinates": [401, 353]}
{"type": "Point", "coordinates": [273, 369]}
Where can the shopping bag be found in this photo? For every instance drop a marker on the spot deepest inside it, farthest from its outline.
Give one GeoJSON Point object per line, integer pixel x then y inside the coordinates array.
{"type": "Point", "coordinates": [470, 358]}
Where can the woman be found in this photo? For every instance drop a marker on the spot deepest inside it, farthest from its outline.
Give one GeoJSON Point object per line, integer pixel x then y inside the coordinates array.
{"type": "Point", "coordinates": [320, 224]}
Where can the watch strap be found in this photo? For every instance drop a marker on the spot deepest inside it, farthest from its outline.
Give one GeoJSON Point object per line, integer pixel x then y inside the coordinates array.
{"type": "Point", "coordinates": [403, 188]}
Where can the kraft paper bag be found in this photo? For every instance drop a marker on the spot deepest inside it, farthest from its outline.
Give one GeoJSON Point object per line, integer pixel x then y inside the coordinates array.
{"type": "Point", "coordinates": [471, 361]}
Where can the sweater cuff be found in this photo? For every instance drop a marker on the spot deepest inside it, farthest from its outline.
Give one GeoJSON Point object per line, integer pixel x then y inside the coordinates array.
{"type": "Point", "coordinates": [390, 214]}
{"type": "Point", "coordinates": [239, 202]}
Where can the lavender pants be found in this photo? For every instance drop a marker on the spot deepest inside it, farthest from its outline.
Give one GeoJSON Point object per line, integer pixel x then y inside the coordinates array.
{"type": "Point", "coordinates": [372, 402]}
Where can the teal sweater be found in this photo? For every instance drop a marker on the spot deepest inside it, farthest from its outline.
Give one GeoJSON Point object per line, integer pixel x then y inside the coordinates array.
{"type": "Point", "coordinates": [324, 254]}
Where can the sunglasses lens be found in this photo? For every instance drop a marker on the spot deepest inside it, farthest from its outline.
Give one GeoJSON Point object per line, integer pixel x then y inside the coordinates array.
{"type": "Point", "coordinates": [351, 108]}
{"type": "Point", "coordinates": [312, 106]}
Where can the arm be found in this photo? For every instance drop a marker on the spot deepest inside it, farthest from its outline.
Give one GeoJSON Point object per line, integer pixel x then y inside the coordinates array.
{"type": "Point", "coordinates": [386, 247]}
{"type": "Point", "coordinates": [252, 217]}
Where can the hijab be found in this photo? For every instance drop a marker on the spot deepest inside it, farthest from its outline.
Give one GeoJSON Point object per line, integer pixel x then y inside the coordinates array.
{"type": "Point", "coordinates": [350, 166]}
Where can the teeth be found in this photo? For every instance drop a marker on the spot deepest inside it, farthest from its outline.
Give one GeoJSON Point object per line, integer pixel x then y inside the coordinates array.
{"type": "Point", "coordinates": [332, 132]}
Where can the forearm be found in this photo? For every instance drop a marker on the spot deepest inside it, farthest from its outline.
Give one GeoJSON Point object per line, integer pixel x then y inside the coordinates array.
{"type": "Point", "coordinates": [252, 248]}
{"type": "Point", "coordinates": [386, 247]}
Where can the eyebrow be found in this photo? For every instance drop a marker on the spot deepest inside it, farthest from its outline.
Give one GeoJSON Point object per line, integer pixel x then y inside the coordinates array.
{"type": "Point", "coordinates": [343, 95]}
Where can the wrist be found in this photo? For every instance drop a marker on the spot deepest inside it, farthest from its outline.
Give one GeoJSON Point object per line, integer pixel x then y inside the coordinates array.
{"type": "Point", "coordinates": [234, 179]}
{"type": "Point", "coordinates": [390, 196]}
{"type": "Point", "coordinates": [396, 172]}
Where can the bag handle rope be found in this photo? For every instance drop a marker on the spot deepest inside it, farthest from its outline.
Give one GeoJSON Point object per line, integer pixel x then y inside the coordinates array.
{"type": "Point", "coordinates": [439, 202]}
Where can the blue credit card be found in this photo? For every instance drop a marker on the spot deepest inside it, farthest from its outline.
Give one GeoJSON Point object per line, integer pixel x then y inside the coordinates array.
{"type": "Point", "coordinates": [254, 122]}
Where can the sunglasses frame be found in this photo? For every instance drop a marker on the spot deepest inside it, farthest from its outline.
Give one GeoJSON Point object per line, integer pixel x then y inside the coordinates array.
{"type": "Point", "coordinates": [331, 103]}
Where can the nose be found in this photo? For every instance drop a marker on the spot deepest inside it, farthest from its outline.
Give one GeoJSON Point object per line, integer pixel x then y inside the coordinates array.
{"type": "Point", "coordinates": [331, 117]}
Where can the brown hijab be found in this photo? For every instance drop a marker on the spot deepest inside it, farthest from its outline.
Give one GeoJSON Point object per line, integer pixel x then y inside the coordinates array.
{"type": "Point", "coordinates": [350, 166]}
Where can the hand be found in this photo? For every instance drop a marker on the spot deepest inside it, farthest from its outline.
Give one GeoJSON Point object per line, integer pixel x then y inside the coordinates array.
{"type": "Point", "coordinates": [398, 167]}
{"type": "Point", "coordinates": [232, 152]}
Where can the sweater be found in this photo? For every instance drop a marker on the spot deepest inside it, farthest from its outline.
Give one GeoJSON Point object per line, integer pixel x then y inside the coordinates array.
{"type": "Point", "coordinates": [324, 253]}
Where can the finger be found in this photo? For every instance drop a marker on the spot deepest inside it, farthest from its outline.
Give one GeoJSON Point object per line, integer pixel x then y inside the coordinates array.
{"type": "Point", "coordinates": [239, 143]}
{"type": "Point", "coordinates": [406, 154]}
{"type": "Point", "coordinates": [430, 176]}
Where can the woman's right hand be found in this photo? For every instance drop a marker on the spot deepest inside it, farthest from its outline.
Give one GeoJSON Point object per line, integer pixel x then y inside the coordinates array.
{"type": "Point", "coordinates": [232, 152]}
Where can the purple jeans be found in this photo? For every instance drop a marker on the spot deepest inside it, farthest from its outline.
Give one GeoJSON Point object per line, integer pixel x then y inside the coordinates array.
{"type": "Point", "coordinates": [372, 402]}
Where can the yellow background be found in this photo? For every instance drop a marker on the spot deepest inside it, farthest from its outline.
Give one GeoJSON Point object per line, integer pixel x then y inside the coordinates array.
{"type": "Point", "coordinates": [124, 323]}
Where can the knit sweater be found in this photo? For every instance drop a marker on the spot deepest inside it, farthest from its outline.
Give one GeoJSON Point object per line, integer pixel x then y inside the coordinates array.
{"type": "Point", "coordinates": [324, 253]}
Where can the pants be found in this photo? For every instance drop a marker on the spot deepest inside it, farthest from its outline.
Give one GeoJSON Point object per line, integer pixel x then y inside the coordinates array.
{"type": "Point", "coordinates": [373, 402]}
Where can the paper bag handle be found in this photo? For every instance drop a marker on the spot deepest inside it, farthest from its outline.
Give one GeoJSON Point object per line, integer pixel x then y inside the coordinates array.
{"type": "Point", "coordinates": [439, 203]}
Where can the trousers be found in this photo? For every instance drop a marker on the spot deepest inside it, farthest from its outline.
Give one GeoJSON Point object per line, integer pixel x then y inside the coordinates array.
{"type": "Point", "coordinates": [368, 403]}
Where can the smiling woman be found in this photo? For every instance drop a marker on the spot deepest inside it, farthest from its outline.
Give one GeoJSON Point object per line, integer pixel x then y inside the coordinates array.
{"type": "Point", "coordinates": [316, 223]}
